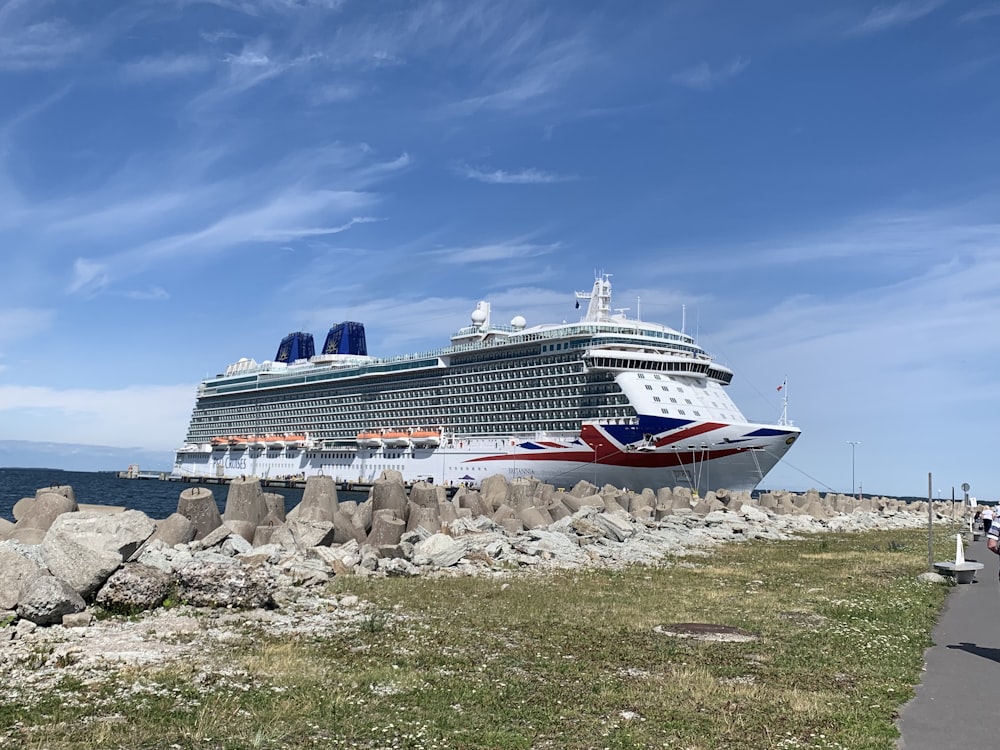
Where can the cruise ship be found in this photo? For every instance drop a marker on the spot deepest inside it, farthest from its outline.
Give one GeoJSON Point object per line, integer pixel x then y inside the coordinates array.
{"type": "Point", "coordinates": [608, 399]}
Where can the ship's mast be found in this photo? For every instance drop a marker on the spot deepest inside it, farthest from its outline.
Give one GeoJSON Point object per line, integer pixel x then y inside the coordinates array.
{"type": "Point", "coordinates": [783, 420]}
{"type": "Point", "coordinates": [599, 307]}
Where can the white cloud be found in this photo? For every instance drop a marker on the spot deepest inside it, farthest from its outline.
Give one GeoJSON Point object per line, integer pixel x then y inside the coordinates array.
{"type": "Point", "coordinates": [154, 294]}
{"type": "Point", "coordinates": [167, 66]}
{"type": "Point", "coordinates": [493, 252]}
{"type": "Point", "coordinates": [153, 417]}
{"type": "Point", "coordinates": [17, 323]}
{"type": "Point", "coordinates": [89, 277]}
{"type": "Point", "coordinates": [883, 17]}
{"type": "Point", "coordinates": [29, 43]}
{"type": "Point", "coordinates": [704, 77]}
{"type": "Point", "coordinates": [978, 14]}
{"type": "Point", "coordinates": [502, 177]}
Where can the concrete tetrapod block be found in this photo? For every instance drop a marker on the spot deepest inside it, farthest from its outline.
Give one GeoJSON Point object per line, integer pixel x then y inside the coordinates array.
{"type": "Point", "coordinates": [319, 500]}
{"type": "Point", "coordinates": [389, 495]}
{"type": "Point", "coordinates": [198, 505]}
{"type": "Point", "coordinates": [245, 502]}
{"type": "Point", "coordinates": [387, 530]}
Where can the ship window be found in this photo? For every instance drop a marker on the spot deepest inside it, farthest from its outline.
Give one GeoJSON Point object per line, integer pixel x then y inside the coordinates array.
{"type": "Point", "coordinates": [680, 411]}
{"type": "Point", "coordinates": [673, 400]}
{"type": "Point", "coordinates": [656, 398]}
{"type": "Point", "coordinates": [649, 387]}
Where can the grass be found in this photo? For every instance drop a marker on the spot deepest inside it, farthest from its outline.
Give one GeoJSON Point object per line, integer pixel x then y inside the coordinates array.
{"type": "Point", "coordinates": [567, 660]}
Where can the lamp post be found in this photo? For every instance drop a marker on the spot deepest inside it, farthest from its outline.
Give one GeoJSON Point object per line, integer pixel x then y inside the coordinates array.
{"type": "Point", "coordinates": [853, 443]}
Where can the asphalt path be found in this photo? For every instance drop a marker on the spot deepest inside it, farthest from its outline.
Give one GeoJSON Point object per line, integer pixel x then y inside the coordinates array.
{"type": "Point", "coordinates": [956, 702]}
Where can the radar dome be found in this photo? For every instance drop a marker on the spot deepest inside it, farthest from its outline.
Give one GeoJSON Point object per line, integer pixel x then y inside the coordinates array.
{"type": "Point", "coordinates": [479, 315]}
{"type": "Point", "coordinates": [519, 322]}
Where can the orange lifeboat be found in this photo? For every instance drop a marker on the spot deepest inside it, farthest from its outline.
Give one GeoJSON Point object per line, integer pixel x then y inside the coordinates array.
{"type": "Point", "coordinates": [369, 439]}
{"type": "Point", "coordinates": [425, 438]}
{"type": "Point", "coordinates": [220, 443]}
{"type": "Point", "coordinates": [395, 439]}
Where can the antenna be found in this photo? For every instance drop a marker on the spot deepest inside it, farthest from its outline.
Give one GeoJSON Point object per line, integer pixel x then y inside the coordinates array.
{"type": "Point", "coordinates": [783, 420]}
{"type": "Point", "coordinates": [684, 309]}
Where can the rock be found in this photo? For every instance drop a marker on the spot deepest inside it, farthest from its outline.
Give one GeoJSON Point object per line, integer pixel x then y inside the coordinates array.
{"type": "Point", "coordinates": [245, 529]}
{"type": "Point", "coordinates": [213, 539]}
{"type": "Point", "coordinates": [198, 505]}
{"type": "Point", "coordinates": [535, 518]}
{"type": "Point", "coordinates": [77, 619]}
{"type": "Point", "coordinates": [345, 530]}
{"type": "Point", "coordinates": [47, 599]}
{"type": "Point", "coordinates": [204, 584]}
{"type": "Point", "coordinates": [396, 566]}
{"type": "Point", "coordinates": [18, 573]}
{"type": "Point", "coordinates": [84, 548]}
{"type": "Point", "coordinates": [134, 588]}
{"type": "Point", "coordinates": [308, 534]}
{"type": "Point", "coordinates": [439, 550]}
{"type": "Point", "coordinates": [616, 527]}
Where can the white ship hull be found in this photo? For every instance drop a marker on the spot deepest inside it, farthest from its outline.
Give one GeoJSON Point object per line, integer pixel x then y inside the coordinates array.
{"type": "Point", "coordinates": [721, 456]}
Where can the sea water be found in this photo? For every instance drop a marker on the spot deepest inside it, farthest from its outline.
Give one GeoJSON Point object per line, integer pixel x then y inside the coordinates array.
{"type": "Point", "coordinates": [156, 498]}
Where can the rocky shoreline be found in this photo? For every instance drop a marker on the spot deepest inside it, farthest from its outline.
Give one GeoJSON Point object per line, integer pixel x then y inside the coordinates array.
{"type": "Point", "coordinates": [199, 577]}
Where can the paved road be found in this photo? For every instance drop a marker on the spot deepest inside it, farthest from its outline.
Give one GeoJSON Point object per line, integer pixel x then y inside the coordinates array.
{"type": "Point", "coordinates": [957, 701]}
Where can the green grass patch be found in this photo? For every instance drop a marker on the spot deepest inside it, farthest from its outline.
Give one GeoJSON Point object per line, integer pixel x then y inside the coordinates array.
{"type": "Point", "coordinates": [564, 660]}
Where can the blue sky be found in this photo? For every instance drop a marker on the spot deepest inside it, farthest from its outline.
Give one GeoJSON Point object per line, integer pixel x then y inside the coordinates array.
{"type": "Point", "coordinates": [182, 183]}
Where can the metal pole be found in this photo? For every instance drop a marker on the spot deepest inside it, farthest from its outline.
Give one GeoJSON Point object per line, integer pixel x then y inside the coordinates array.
{"type": "Point", "coordinates": [930, 523]}
{"type": "Point", "coordinates": [854, 486]}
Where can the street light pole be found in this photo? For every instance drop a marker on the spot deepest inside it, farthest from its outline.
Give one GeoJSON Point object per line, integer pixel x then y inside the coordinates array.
{"type": "Point", "coordinates": [853, 443]}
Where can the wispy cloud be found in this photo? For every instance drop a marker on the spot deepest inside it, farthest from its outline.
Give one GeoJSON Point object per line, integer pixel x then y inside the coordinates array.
{"type": "Point", "coordinates": [153, 294]}
{"type": "Point", "coordinates": [704, 77]}
{"type": "Point", "coordinates": [286, 216]}
{"type": "Point", "coordinates": [883, 17]}
{"type": "Point", "coordinates": [28, 42]}
{"type": "Point", "coordinates": [23, 322]}
{"type": "Point", "coordinates": [537, 76]}
{"type": "Point", "coordinates": [513, 249]}
{"type": "Point", "coordinates": [502, 177]}
{"type": "Point", "coordinates": [168, 66]}
{"type": "Point", "coordinates": [978, 14]}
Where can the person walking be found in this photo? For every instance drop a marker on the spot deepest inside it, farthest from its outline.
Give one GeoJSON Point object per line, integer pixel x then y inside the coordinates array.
{"type": "Point", "coordinates": [987, 519]}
